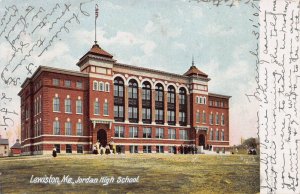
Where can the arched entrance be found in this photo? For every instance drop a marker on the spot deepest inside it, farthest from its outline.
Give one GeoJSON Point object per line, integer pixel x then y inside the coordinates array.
{"type": "Point", "coordinates": [201, 140]}
{"type": "Point", "coordinates": [102, 137]}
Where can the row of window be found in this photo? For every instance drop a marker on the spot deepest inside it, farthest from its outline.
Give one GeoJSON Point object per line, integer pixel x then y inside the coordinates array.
{"type": "Point", "coordinates": [37, 106]}
{"type": "Point", "coordinates": [147, 133]}
{"type": "Point", "coordinates": [101, 86]}
{"type": "Point", "coordinates": [148, 149]}
{"type": "Point", "coordinates": [200, 100]}
{"type": "Point", "coordinates": [68, 128]}
{"type": "Point", "coordinates": [216, 103]}
{"type": "Point", "coordinates": [219, 135]}
{"type": "Point", "coordinates": [68, 108]}
{"type": "Point", "coordinates": [67, 83]}
{"type": "Point", "coordinates": [211, 118]}
{"type": "Point", "coordinates": [69, 148]}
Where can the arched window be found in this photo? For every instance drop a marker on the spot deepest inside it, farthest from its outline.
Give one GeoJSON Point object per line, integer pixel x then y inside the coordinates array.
{"type": "Point", "coordinates": [101, 86]}
{"type": "Point", "coordinates": [171, 105]}
{"type": "Point", "coordinates": [159, 104]}
{"type": "Point", "coordinates": [183, 107]}
{"type": "Point", "coordinates": [159, 93]}
{"type": "Point", "coordinates": [146, 102]}
{"type": "Point", "coordinates": [95, 85]}
{"type": "Point", "coordinates": [146, 91]}
{"type": "Point", "coordinates": [118, 99]}
{"type": "Point", "coordinates": [132, 101]}
{"type": "Point", "coordinates": [132, 89]}
{"type": "Point", "coordinates": [118, 87]}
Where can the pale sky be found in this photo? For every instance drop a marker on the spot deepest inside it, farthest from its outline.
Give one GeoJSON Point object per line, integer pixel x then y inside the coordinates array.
{"type": "Point", "coordinates": [163, 35]}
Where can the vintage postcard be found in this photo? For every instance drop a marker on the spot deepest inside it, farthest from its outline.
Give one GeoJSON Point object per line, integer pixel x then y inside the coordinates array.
{"type": "Point", "coordinates": [148, 96]}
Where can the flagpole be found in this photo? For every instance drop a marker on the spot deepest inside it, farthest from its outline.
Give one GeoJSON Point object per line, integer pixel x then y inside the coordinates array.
{"type": "Point", "coordinates": [96, 16]}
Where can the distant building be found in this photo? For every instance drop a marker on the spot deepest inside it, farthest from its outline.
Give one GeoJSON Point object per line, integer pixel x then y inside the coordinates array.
{"type": "Point", "coordinates": [142, 110]}
{"type": "Point", "coordinates": [3, 147]}
{"type": "Point", "coordinates": [16, 148]}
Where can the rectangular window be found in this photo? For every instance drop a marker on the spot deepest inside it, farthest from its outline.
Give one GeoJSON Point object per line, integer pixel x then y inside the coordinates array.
{"type": "Point", "coordinates": [159, 133]}
{"type": "Point", "coordinates": [133, 132]}
{"type": "Point", "coordinates": [79, 149]}
{"type": "Point", "coordinates": [56, 104]}
{"type": "Point", "coordinates": [182, 117]}
{"type": "Point", "coordinates": [211, 119]}
{"type": "Point", "coordinates": [55, 82]}
{"type": "Point", "coordinates": [95, 85]}
{"type": "Point", "coordinates": [183, 134]}
{"type": "Point", "coordinates": [181, 99]}
{"type": "Point", "coordinates": [146, 94]}
{"type": "Point", "coordinates": [118, 111]}
{"type": "Point", "coordinates": [68, 105]}
{"type": "Point", "coordinates": [96, 108]}
{"type": "Point", "coordinates": [146, 149]}
{"type": "Point", "coordinates": [67, 83]}
{"type": "Point", "coordinates": [79, 130]}
{"type": "Point", "coordinates": [222, 104]}
{"type": "Point", "coordinates": [217, 135]}
{"type": "Point", "coordinates": [56, 129]}
{"type": "Point", "coordinates": [132, 93]}
{"type": "Point", "coordinates": [211, 135]}
{"type": "Point", "coordinates": [68, 148]}
{"type": "Point", "coordinates": [197, 117]}
{"type": "Point", "coordinates": [204, 117]}
{"type": "Point", "coordinates": [172, 133]}
{"type": "Point", "coordinates": [171, 116]}
{"type": "Point", "coordinates": [217, 119]}
{"type": "Point", "coordinates": [132, 112]}
{"type": "Point", "coordinates": [171, 98]}
{"type": "Point", "coordinates": [105, 108]}
{"type": "Point", "coordinates": [101, 86]}
{"type": "Point", "coordinates": [172, 149]}
{"type": "Point", "coordinates": [119, 131]}
{"type": "Point", "coordinates": [107, 87]}
{"type": "Point", "coordinates": [79, 106]}
{"type": "Point", "coordinates": [210, 103]}
{"type": "Point", "coordinates": [222, 120]}
{"type": "Point", "coordinates": [222, 136]}
{"type": "Point", "coordinates": [57, 147]}
{"type": "Point", "coordinates": [79, 84]}
{"type": "Point", "coordinates": [146, 113]}
{"type": "Point", "coordinates": [159, 149]}
{"type": "Point", "coordinates": [133, 149]}
{"type": "Point", "coordinates": [159, 96]}
{"type": "Point", "coordinates": [68, 128]}
{"type": "Point", "coordinates": [159, 115]}
{"type": "Point", "coordinates": [147, 132]}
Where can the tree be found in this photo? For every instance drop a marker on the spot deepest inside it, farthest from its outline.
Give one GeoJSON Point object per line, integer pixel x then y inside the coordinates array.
{"type": "Point", "coordinates": [250, 143]}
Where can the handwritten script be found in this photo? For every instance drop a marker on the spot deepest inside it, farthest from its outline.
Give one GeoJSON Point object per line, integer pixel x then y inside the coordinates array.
{"type": "Point", "coordinates": [26, 35]}
{"type": "Point", "coordinates": [278, 93]}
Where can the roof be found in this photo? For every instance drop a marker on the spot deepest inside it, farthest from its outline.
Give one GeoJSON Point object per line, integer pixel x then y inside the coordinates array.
{"type": "Point", "coordinates": [17, 145]}
{"type": "Point", "coordinates": [3, 141]}
{"type": "Point", "coordinates": [195, 71]}
{"type": "Point", "coordinates": [40, 69]}
{"type": "Point", "coordinates": [218, 95]}
{"type": "Point", "coordinates": [97, 50]}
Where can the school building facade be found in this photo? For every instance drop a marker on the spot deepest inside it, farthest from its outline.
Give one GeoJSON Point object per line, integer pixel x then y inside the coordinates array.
{"type": "Point", "coordinates": [141, 110]}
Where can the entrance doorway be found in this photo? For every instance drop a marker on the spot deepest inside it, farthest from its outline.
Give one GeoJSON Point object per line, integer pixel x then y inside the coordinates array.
{"type": "Point", "coordinates": [102, 137]}
{"type": "Point", "coordinates": [202, 140]}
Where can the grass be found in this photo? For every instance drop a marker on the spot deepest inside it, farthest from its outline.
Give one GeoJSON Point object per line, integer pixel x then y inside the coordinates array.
{"type": "Point", "coordinates": [158, 173]}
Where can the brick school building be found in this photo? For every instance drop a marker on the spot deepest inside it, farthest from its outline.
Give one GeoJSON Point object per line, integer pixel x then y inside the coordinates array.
{"type": "Point", "coordinates": [142, 110]}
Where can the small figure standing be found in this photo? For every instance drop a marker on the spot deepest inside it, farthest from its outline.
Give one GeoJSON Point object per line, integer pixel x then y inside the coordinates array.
{"type": "Point", "coordinates": [54, 152]}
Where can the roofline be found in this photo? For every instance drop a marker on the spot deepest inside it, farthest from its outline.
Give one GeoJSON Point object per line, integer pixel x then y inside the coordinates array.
{"type": "Point", "coordinates": [94, 57]}
{"type": "Point", "coordinates": [41, 69]}
{"type": "Point", "coordinates": [219, 95]}
{"type": "Point", "coordinates": [158, 71]}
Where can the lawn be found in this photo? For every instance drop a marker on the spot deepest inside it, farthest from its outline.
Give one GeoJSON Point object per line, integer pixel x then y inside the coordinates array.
{"type": "Point", "coordinates": [157, 173]}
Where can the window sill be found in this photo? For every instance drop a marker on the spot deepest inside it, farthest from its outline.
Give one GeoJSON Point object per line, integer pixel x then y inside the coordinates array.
{"type": "Point", "coordinates": [57, 111]}
{"type": "Point", "coordinates": [68, 112]}
{"type": "Point", "coordinates": [105, 115]}
{"type": "Point", "coordinates": [79, 113]}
